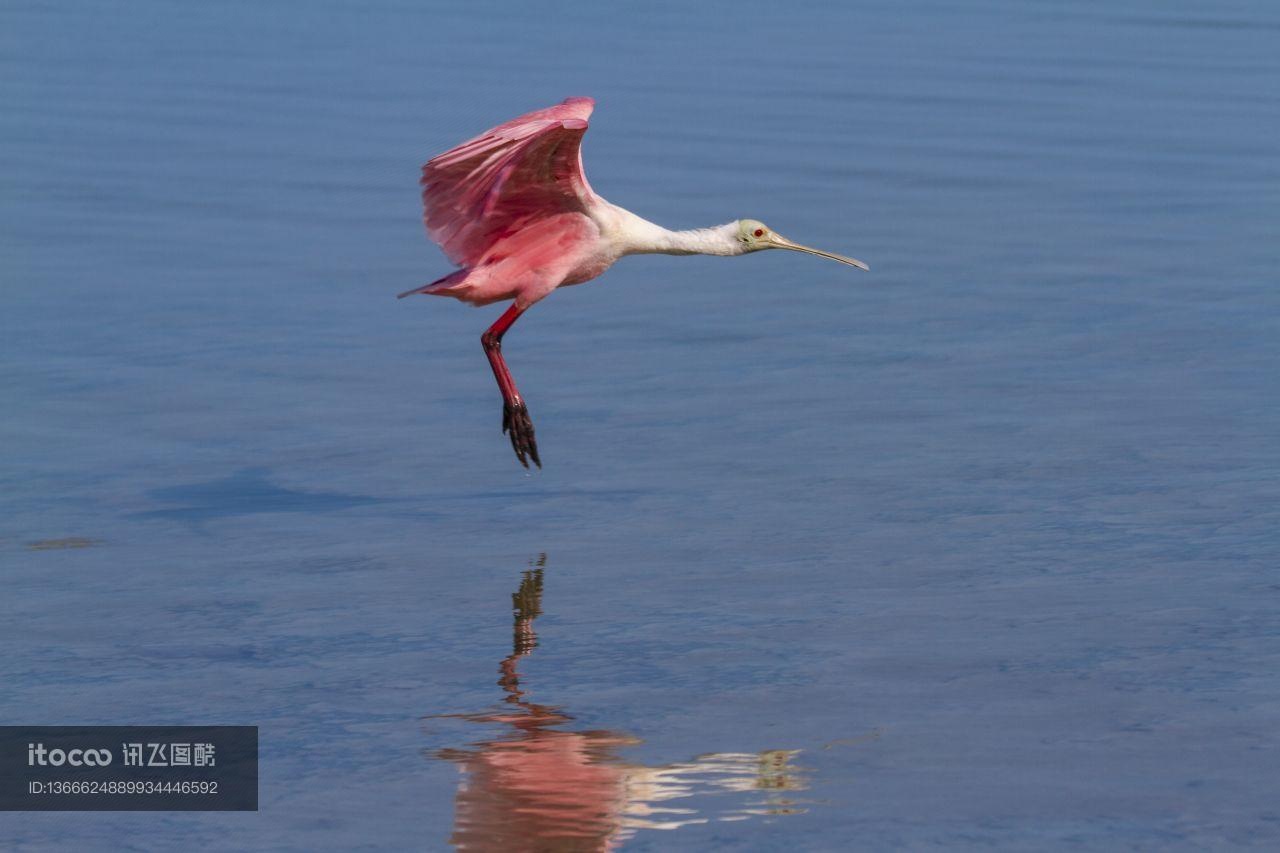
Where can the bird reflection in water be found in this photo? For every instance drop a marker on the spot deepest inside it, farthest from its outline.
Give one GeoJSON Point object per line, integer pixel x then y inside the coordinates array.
{"type": "Point", "coordinates": [542, 786]}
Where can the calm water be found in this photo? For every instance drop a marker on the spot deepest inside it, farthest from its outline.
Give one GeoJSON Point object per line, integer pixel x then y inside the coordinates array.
{"type": "Point", "coordinates": [978, 550]}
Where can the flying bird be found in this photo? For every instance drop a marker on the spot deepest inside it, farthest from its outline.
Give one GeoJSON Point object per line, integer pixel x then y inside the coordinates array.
{"type": "Point", "coordinates": [513, 209]}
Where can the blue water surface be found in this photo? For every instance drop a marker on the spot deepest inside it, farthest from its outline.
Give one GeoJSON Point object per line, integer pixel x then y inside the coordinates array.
{"type": "Point", "coordinates": [978, 550]}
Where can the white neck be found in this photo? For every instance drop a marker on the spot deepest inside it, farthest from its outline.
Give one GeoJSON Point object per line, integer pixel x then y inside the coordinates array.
{"type": "Point", "coordinates": [716, 240]}
{"type": "Point", "coordinates": [642, 237]}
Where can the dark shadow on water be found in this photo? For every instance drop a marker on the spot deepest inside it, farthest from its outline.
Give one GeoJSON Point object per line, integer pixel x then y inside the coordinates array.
{"type": "Point", "coordinates": [250, 491]}
{"type": "Point", "coordinates": [246, 492]}
{"type": "Point", "coordinates": [62, 544]}
{"type": "Point", "coordinates": [614, 496]}
{"type": "Point", "coordinates": [542, 785]}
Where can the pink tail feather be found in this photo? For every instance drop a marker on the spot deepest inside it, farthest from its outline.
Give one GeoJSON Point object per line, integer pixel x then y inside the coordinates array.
{"type": "Point", "coordinates": [437, 285]}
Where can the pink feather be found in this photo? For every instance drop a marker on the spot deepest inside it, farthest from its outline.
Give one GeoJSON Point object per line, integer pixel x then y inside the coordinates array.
{"type": "Point", "coordinates": [490, 187]}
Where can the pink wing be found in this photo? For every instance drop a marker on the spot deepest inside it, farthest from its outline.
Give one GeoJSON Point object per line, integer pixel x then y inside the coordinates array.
{"type": "Point", "coordinates": [506, 178]}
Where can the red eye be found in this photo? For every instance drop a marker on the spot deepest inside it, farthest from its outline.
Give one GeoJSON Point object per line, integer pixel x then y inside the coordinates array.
{"type": "Point", "coordinates": [759, 232]}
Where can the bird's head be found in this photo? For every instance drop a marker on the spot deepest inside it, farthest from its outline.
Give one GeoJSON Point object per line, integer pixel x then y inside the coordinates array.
{"type": "Point", "coordinates": [754, 235]}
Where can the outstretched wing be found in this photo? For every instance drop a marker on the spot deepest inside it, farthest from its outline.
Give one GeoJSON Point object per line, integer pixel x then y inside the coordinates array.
{"type": "Point", "coordinates": [492, 186]}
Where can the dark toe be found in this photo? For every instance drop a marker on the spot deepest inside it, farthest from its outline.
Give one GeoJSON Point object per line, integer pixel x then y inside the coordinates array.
{"type": "Point", "coordinates": [517, 424]}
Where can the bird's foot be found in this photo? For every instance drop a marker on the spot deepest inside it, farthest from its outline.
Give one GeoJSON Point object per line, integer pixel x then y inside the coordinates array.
{"type": "Point", "coordinates": [516, 424]}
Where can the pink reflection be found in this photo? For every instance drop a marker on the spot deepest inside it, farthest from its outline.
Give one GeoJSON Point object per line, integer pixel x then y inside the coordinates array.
{"type": "Point", "coordinates": [541, 787]}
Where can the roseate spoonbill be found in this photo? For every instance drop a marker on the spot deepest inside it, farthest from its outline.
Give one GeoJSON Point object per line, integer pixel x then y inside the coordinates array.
{"type": "Point", "coordinates": [513, 209]}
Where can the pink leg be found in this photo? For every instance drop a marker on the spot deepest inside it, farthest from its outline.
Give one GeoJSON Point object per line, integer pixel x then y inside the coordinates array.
{"type": "Point", "coordinates": [515, 415]}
